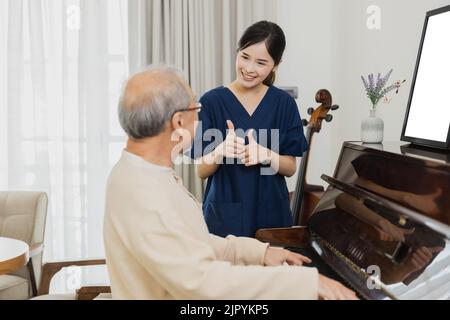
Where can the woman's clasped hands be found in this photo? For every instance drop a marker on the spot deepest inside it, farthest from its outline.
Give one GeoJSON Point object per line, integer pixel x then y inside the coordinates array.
{"type": "Point", "coordinates": [234, 147]}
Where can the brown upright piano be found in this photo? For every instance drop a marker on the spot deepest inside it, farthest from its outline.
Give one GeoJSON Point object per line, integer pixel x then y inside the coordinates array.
{"type": "Point", "coordinates": [383, 225]}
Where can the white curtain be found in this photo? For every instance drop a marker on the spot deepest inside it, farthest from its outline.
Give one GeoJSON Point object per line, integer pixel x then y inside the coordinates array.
{"type": "Point", "coordinates": [198, 36]}
{"type": "Point", "coordinates": [62, 64]}
{"type": "Point", "coordinates": [61, 67]}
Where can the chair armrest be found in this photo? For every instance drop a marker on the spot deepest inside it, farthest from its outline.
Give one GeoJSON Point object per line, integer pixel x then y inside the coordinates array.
{"type": "Point", "coordinates": [90, 292]}
{"type": "Point", "coordinates": [49, 269]}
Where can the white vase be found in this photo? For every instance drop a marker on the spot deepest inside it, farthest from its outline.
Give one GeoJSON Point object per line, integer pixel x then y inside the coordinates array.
{"type": "Point", "coordinates": [372, 128]}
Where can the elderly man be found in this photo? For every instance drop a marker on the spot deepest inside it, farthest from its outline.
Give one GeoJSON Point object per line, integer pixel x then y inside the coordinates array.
{"type": "Point", "coordinates": [157, 243]}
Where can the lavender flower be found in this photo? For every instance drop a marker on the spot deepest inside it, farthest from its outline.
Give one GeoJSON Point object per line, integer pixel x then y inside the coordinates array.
{"type": "Point", "coordinates": [376, 90]}
{"type": "Point", "coordinates": [366, 86]}
{"type": "Point", "coordinates": [371, 81]}
{"type": "Point", "coordinates": [378, 83]}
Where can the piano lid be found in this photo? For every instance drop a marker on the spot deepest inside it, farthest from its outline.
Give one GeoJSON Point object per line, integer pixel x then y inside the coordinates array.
{"type": "Point", "coordinates": [412, 177]}
{"type": "Point", "coordinates": [387, 214]}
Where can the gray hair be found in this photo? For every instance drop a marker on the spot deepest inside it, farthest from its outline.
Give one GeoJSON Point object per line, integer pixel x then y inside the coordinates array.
{"type": "Point", "coordinates": [148, 113]}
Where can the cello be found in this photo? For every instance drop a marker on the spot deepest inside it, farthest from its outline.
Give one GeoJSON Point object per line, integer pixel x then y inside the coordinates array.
{"type": "Point", "coordinates": [306, 196]}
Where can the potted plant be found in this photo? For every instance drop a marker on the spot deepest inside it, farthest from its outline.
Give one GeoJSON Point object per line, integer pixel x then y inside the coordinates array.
{"type": "Point", "coordinates": [372, 128]}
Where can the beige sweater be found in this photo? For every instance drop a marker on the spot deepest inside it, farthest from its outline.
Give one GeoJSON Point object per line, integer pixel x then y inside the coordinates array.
{"type": "Point", "coordinates": [158, 245]}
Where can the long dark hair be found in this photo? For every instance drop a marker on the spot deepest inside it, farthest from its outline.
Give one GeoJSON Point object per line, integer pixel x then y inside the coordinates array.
{"type": "Point", "coordinates": [274, 38]}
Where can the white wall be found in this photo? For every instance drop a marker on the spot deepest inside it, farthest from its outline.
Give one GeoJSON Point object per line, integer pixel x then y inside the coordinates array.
{"type": "Point", "coordinates": [329, 45]}
{"type": "Point", "coordinates": [306, 64]}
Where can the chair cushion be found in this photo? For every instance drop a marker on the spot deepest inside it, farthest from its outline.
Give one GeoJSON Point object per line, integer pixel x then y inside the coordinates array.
{"type": "Point", "coordinates": [70, 296]}
{"type": "Point", "coordinates": [22, 215]}
{"type": "Point", "coordinates": [103, 296]}
{"type": "Point", "coordinates": [62, 296]}
{"type": "Point", "coordinates": [13, 288]}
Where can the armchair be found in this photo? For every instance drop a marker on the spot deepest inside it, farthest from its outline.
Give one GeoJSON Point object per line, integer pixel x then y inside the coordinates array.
{"type": "Point", "coordinates": [84, 293]}
{"type": "Point", "coordinates": [22, 216]}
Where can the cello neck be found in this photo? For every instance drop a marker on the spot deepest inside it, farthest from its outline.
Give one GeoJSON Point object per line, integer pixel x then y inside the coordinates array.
{"type": "Point", "coordinates": [301, 180]}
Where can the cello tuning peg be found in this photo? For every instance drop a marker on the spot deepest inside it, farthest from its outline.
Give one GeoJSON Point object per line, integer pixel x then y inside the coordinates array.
{"type": "Point", "coordinates": [328, 117]}
{"type": "Point", "coordinates": [310, 111]}
{"type": "Point", "coordinates": [334, 107]}
{"type": "Point", "coordinates": [304, 122]}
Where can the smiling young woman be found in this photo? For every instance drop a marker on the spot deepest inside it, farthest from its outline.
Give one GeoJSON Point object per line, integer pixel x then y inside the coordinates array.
{"type": "Point", "coordinates": [261, 129]}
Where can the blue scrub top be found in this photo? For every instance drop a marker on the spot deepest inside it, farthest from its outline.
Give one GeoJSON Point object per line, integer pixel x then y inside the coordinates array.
{"type": "Point", "coordinates": [240, 200]}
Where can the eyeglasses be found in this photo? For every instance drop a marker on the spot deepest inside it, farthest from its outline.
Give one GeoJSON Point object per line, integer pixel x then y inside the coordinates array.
{"type": "Point", "coordinates": [197, 108]}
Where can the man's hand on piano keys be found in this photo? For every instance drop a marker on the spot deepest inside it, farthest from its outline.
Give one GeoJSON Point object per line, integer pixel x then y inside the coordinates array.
{"type": "Point", "coordinates": [279, 256]}
{"type": "Point", "coordinates": [332, 290]}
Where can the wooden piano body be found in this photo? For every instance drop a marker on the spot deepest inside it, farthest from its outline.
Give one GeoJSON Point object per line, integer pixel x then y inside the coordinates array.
{"type": "Point", "coordinates": [383, 224]}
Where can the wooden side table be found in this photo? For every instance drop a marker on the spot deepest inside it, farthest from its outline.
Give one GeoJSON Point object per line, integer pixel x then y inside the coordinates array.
{"type": "Point", "coordinates": [14, 254]}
